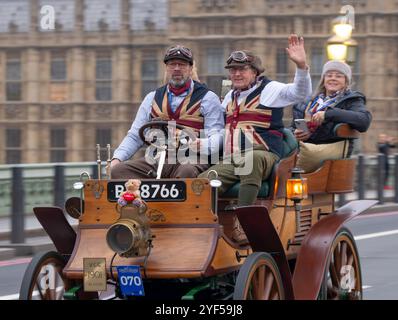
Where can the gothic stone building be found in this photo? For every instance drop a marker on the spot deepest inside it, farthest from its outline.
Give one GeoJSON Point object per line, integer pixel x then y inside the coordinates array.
{"type": "Point", "coordinates": [66, 89]}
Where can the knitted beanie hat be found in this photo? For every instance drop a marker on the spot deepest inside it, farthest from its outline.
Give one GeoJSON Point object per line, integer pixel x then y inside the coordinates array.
{"type": "Point", "coordinates": [336, 65]}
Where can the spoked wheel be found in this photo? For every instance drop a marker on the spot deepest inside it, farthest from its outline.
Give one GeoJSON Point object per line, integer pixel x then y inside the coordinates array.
{"type": "Point", "coordinates": [43, 279]}
{"type": "Point", "coordinates": [342, 280]}
{"type": "Point", "coordinates": [259, 279]}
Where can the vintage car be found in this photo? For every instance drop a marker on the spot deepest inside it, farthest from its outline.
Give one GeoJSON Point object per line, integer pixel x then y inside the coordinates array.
{"type": "Point", "coordinates": [177, 243]}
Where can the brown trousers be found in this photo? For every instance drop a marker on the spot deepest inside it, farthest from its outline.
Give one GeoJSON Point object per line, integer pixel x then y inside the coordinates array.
{"type": "Point", "coordinates": [263, 162]}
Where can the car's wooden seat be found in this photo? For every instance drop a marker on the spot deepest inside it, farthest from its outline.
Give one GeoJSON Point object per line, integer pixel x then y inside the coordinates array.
{"type": "Point", "coordinates": [335, 176]}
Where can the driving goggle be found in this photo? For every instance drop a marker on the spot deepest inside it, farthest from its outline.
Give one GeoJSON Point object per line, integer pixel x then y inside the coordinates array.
{"type": "Point", "coordinates": [175, 51]}
{"type": "Point", "coordinates": [239, 56]}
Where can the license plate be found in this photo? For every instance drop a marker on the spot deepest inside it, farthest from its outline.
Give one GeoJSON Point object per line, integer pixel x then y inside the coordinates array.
{"type": "Point", "coordinates": [130, 280]}
{"type": "Point", "coordinates": [152, 191]}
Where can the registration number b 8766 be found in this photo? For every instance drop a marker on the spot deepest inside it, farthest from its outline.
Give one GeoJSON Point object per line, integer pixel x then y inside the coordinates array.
{"type": "Point", "coordinates": [155, 190]}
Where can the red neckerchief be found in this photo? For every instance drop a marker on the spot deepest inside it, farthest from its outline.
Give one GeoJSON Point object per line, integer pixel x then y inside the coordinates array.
{"type": "Point", "coordinates": [179, 91]}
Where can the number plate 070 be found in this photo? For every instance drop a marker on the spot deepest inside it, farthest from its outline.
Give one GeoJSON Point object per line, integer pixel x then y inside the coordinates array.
{"type": "Point", "coordinates": [130, 280]}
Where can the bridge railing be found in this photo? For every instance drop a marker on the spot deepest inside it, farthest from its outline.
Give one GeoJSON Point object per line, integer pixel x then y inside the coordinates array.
{"type": "Point", "coordinates": [39, 184]}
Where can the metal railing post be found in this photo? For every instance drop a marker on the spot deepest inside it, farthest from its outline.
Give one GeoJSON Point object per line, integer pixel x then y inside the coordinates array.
{"type": "Point", "coordinates": [59, 186]}
{"type": "Point", "coordinates": [380, 177]}
{"type": "Point", "coordinates": [396, 178]}
{"type": "Point", "coordinates": [342, 200]}
{"type": "Point", "coordinates": [94, 171]}
{"type": "Point", "coordinates": [361, 176]}
{"type": "Point", "coordinates": [17, 207]}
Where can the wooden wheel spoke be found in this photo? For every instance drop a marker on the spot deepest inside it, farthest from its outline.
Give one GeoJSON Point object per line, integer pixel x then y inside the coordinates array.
{"type": "Point", "coordinates": [59, 284]}
{"type": "Point", "coordinates": [250, 295]}
{"type": "Point", "coordinates": [274, 291]}
{"type": "Point", "coordinates": [52, 294]}
{"type": "Point", "coordinates": [334, 275]}
{"type": "Point", "coordinates": [39, 289]}
{"type": "Point", "coordinates": [337, 257]}
{"type": "Point", "coordinates": [343, 254]}
{"type": "Point", "coordinates": [59, 295]}
{"type": "Point", "coordinates": [275, 295]}
{"type": "Point", "coordinates": [260, 282]}
{"type": "Point", "coordinates": [268, 285]}
{"type": "Point", "coordinates": [355, 283]}
{"type": "Point", "coordinates": [254, 284]}
{"type": "Point", "coordinates": [334, 293]}
{"type": "Point", "coordinates": [350, 259]}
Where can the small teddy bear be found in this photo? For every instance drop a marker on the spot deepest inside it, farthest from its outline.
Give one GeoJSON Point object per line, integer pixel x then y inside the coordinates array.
{"type": "Point", "coordinates": [132, 193]}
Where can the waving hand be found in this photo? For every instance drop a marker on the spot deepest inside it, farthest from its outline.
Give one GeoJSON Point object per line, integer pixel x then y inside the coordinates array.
{"type": "Point", "coordinates": [296, 51]}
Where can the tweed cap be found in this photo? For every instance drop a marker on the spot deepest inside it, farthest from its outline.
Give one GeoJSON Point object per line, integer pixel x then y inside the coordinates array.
{"type": "Point", "coordinates": [244, 57]}
{"type": "Point", "coordinates": [179, 52]}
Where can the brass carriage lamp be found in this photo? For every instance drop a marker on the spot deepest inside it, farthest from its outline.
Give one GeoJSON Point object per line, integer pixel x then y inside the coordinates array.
{"type": "Point", "coordinates": [296, 186]}
{"type": "Point", "coordinates": [297, 190]}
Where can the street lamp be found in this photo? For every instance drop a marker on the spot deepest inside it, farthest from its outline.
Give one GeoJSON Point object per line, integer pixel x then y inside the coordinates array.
{"type": "Point", "coordinates": [352, 46]}
{"type": "Point", "coordinates": [336, 48]}
{"type": "Point", "coordinates": [341, 46]}
{"type": "Point", "coordinates": [342, 27]}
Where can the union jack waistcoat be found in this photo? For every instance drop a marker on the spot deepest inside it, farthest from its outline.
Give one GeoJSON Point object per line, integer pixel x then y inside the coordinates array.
{"type": "Point", "coordinates": [260, 124]}
{"type": "Point", "coordinates": [188, 112]}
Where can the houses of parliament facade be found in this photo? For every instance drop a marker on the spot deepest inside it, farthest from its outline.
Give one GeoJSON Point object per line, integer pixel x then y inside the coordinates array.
{"type": "Point", "coordinates": [64, 90]}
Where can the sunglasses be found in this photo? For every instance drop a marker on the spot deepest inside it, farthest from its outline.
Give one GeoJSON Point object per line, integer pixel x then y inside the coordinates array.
{"type": "Point", "coordinates": [178, 50]}
{"type": "Point", "coordinates": [239, 56]}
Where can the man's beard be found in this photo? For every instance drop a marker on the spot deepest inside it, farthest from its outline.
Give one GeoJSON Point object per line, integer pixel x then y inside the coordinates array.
{"type": "Point", "coordinates": [178, 83]}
